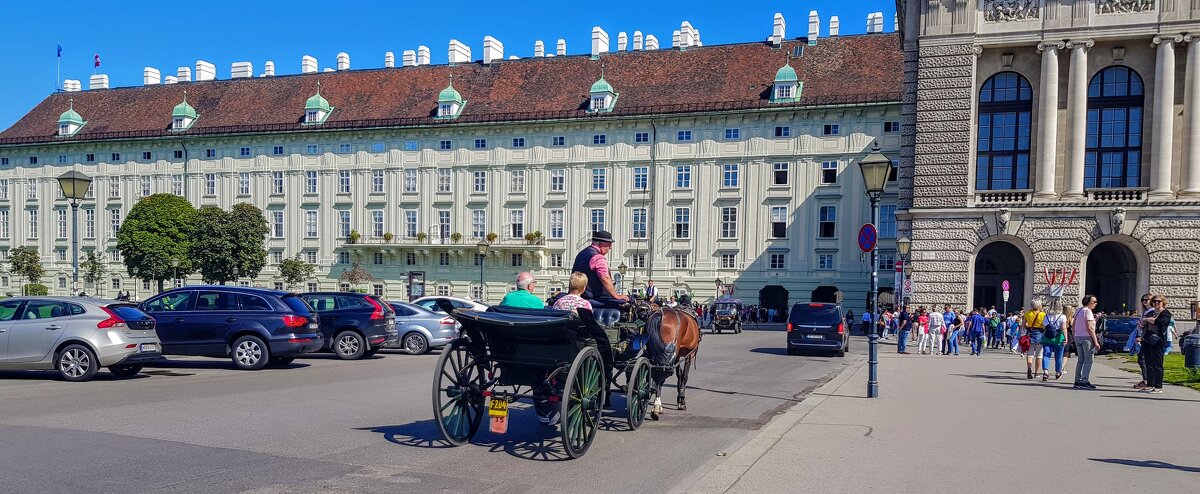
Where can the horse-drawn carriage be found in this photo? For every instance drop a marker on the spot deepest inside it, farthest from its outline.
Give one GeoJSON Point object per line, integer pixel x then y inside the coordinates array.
{"type": "Point", "coordinates": [727, 315]}
{"type": "Point", "coordinates": [554, 359]}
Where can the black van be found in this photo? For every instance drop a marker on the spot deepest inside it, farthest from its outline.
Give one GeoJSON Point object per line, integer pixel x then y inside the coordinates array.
{"type": "Point", "coordinates": [817, 326]}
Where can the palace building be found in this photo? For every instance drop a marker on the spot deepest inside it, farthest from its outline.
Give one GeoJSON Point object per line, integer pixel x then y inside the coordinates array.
{"type": "Point", "coordinates": [1044, 138]}
{"type": "Point", "coordinates": [732, 163]}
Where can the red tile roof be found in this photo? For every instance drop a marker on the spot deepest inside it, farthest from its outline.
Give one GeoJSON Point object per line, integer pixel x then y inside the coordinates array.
{"type": "Point", "coordinates": [837, 70]}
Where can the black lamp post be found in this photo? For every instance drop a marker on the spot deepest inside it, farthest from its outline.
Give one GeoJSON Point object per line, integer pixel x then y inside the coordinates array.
{"type": "Point", "coordinates": [622, 268]}
{"type": "Point", "coordinates": [74, 187]}
{"type": "Point", "coordinates": [482, 247]}
{"type": "Point", "coordinates": [174, 272]}
{"type": "Point", "coordinates": [903, 246]}
{"type": "Point", "coordinates": [875, 169]}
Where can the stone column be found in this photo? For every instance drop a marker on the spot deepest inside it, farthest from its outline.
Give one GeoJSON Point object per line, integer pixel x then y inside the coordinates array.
{"type": "Point", "coordinates": [1077, 85]}
{"type": "Point", "coordinates": [1191, 119]}
{"type": "Point", "coordinates": [1047, 120]}
{"type": "Point", "coordinates": [1163, 114]}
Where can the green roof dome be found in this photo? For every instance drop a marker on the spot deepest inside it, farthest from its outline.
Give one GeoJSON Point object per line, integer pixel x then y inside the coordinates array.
{"type": "Point", "coordinates": [786, 74]}
{"type": "Point", "coordinates": [602, 86]}
{"type": "Point", "coordinates": [70, 117]}
{"type": "Point", "coordinates": [183, 109]}
{"type": "Point", "coordinates": [317, 102]}
{"type": "Point", "coordinates": [450, 94]}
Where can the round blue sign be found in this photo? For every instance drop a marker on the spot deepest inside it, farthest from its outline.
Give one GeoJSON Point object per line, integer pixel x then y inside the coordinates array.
{"type": "Point", "coordinates": [867, 237]}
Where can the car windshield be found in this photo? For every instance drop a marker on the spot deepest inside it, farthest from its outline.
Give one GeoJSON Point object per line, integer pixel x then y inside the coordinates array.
{"type": "Point", "coordinates": [128, 312]}
{"type": "Point", "coordinates": [819, 315]}
{"type": "Point", "coordinates": [1122, 325]}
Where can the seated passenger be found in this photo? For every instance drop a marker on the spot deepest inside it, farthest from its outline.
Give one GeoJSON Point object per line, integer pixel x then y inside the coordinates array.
{"type": "Point", "coordinates": [573, 299]}
{"type": "Point", "coordinates": [522, 297]}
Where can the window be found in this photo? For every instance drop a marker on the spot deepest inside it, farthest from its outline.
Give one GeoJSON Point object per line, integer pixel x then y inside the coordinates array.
{"type": "Point", "coordinates": [829, 172]}
{"type": "Point", "coordinates": [518, 142]}
{"type": "Point", "coordinates": [115, 283]}
{"type": "Point", "coordinates": [343, 181]}
{"type": "Point", "coordinates": [443, 180]}
{"type": "Point", "coordinates": [344, 228]}
{"type": "Point", "coordinates": [480, 143]}
{"type": "Point", "coordinates": [517, 185]}
{"type": "Point", "coordinates": [516, 219]}
{"type": "Point", "coordinates": [376, 181]}
{"type": "Point", "coordinates": [277, 182]}
{"type": "Point", "coordinates": [210, 184]}
{"type": "Point", "coordinates": [783, 131]}
{"type": "Point", "coordinates": [146, 156]}
{"type": "Point", "coordinates": [729, 175]}
{"type": "Point", "coordinates": [208, 153]}
{"type": "Point", "coordinates": [728, 261]}
{"type": "Point", "coordinates": [377, 259]}
{"type": "Point", "coordinates": [4, 189]}
{"type": "Point", "coordinates": [310, 256]}
{"type": "Point", "coordinates": [556, 259]}
{"type": "Point", "coordinates": [778, 221]}
{"type": "Point", "coordinates": [343, 148]}
{"type": "Point", "coordinates": [683, 176]}
{"type": "Point", "coordinates": [442, 290]}
{"type": "Point", "coordinates": [114, 188]}
{"type": "Point", "coordinates": [276, 256]}
{"type": "Point", "coordinates": [115, 158]}
{"type": "Point", "coordinates": [826, 220]}
{"type": "Point", "coordinates": [733, 134]}
{"type": "Point", "coordinates": [4, 161]}
{"type": "Point", "coordinates": [310, 182]}
{"type": "Point", "coordinates": [558, 141]}
{"type": "Point", "coordinates": [277, 224]}
{"type": "Point", "coordinates": [277, 150]}
{"type": "Point", "coordinates": [684, 136]}
{"type": "Point", "coordinates": [887, 260]}
{"type": "Point", "coordinates": [62, 222]}
{"type": "Point", "coordinates": [641, 177]}
{"type": "Point", "coordinates": [410, 180]}
{"type": "Point", "coordinates": [729, 222]}
{"type": "Point", "coordinates": [887, 221]}
{"type": "Point", "coordinates": [444, 259]}
{"type": "Point", "coordinates": [639, 223]}
{"type": "Point", "coordinates": [244, 183]}
{"type": "Point", "coordinates": [377, 223]}
{"type": "Point", "coordinates": [476, 292]}
{"type": "Point", "coordinates": [825, 261]}
{"type": "Point", "coordinates": [89, 223]}
{"type": "Point", "coordinates": [145, 185]}
{"type": "Point", "coordinates": [89, 157]}
{"type": "Point", "coordinates": [517, 259]}
{"type": "Point", "coordinates": [410, 223]}
{"type": "Point", "coordinates": [313, 286]}
{"type": "Point", "coordinates": [177, 154]}
{"type": "Point", "coordinates": [894, 170]}
{"type": "Point", "coordinates": [832, 129]}
{"type": "Point", "coordinates": [680, 261]}
{"type": "Point", "coordinates": [445, 145]}
{"type": "Point", "coordinates": [891, 127]}
{"type": "Point", "coordinates": [638, 260]}
{"type": "Point", "coordinates": [114, 222]}
{"type": "Point", "coordinates": [1113, 155]}
{"type": "Point", "coordinates": [558, 180]}
{"type": "Point", "coordinates": [33, 160]}
{"type": "Point", "coordinates": [443, 224]}
{"type": "Point", "coordinates": [599, 179]}
{"type": "Point", "coordinates": [479, 181]}
{"type": "Point", "coordinates": [1002, 150]}
{"type": "Point", "coordinates": [683, 222]}
{"type": "Point", "coordinates": [4, 232]}
{"type": "Point", "coordinates": [410, 259]}
{"type": "Point", "coordinates": [777, 261]}
{"type": "Point", "coordinates": [244, 152]}
{"type": "Point", "coordinates": [32, 189]}
{"type": "Point", "coordinates": [343, 257]}
{"type": "Point", "coordinates": [478, 223]}
{"type": "Point", "coordinates": [597, 217]}
{"type": "Point", "coordinates": [556, 223]}
{"type": "Point", "coordinates": [62, 158]}
{"type": "Point", "coordinates": [412, 145]}
{"type": "Point", "coordinates": [783, 91]}
{"type": "Point", "coordinates": [641, 137]}
{"type": "Point", "coordinates": [310, 149]}
{"type": "Point", "coordinates": [599, 139]}
{"type": "Point", "coordinates": [779, 174]}
{"type": "Point", "coordinates": [33, 223]}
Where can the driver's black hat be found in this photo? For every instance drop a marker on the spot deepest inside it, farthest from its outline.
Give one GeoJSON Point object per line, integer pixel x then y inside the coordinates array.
{"type": "Point", "coordinates": [602, 236]}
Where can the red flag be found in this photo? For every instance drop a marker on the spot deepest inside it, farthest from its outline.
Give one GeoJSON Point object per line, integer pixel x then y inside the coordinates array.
{"type": "Point", "coordinates": [97, 60]}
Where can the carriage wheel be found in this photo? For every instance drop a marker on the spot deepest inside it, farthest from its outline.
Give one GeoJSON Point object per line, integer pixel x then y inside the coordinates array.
{"type": "Point", "coordinates": [637, 394]}
{"type": "Point", "coordinates": [583, 398]}
{"type": "Point", "coordinates": [457, 394]}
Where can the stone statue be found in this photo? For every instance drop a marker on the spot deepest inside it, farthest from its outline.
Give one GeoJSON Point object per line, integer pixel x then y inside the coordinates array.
{"type": "Point", "coordinates": [1118, 219]}
{"type": "Point", "coordinates": [1123, 6]}
{"type": "Point", "coordinates": [1011, 10]}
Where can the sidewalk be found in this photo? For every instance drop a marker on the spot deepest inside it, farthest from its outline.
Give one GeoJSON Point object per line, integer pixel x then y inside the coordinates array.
{"type": "Point", "coordinates": [970, 424]}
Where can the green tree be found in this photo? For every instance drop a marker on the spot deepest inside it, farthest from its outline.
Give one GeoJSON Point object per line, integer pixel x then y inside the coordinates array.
{"type": "Point", "coordinates": [157, 231]}
{"type": "Point", "coordinates": [247, 231]}
{"type": "Point", "coordinates": [211, 247]}
{"type": "Point", "coordinates": [295, 271]}
{"type": "Point", "coordinates": [93, 269]}
{"type": "Point", "coordinates": [26, 262]}
{"type": "Point", "coordinates": [356, 275]}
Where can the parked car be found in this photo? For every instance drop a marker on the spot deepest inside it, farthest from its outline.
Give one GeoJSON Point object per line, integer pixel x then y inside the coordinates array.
{"type": "Point", "coordinates": [817, 326]}
{"type": "Point", "coordinates": [253, 326]}
{"type": "Point", "coordinates": [421, 329]}
{"type": "Point", "coordinates": [1116, 332]}
{"type": "Point", "coordinates": [354, 325]}
{"type": "Point", "coordinates": [76, 336]}
{"type": "Point", "coordinates": [431, 303]}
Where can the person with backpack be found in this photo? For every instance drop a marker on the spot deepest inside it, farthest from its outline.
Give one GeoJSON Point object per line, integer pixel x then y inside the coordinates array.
{"type": "Point", "coordinates": [1054, 341]}
{"type": "Point", "coordinates": [1030, 343]}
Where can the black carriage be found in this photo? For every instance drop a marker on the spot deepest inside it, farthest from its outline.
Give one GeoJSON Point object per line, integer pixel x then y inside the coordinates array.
{"type": "Point", "coordinates": [726, 315]}
{"type": "Point", "coordinates": [550, 357]}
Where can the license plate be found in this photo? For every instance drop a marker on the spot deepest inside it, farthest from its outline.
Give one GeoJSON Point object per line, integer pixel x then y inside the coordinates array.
{"type": "Point", "coordinates": [312, 326]}
{"type": "Point", "coordinates": [149, 347]}
{"type": "Point", "coordinates": [498, 407]}
{"type": "Point", "coordinates": [814, 336]}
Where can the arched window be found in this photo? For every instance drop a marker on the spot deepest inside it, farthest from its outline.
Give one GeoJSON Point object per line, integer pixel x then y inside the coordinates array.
{"type": "Point", "coordinates": [1114, 129]}
{"type": "Point", "coordinates": [1002, 153]}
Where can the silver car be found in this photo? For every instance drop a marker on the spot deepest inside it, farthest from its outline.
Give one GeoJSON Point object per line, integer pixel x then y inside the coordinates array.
{"type": "Point", "coordinates": [421, 329]}
{"type": "Point", "coordinates": [76, 336]}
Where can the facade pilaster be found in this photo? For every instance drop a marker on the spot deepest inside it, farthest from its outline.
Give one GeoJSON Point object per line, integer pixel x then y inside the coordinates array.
{"type": "Point", "coordinates": [1047, 120]}
{"type": "Point", "coordinates": [1191, 119]}
{"type": "Point", "coordinates": [1077, 84]}
{"type": "Point", "coordinates": [1164, 106]}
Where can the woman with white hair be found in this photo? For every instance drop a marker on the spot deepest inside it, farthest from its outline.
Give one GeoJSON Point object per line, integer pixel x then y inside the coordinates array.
{"type": "Point", "coordinates": [574, 300]}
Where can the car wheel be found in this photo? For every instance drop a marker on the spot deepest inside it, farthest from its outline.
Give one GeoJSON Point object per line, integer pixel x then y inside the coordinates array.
{"type": "Point", "coordinates": [348, 345]}
{"type": "Point", "coordinates": [77, 363]}
{"type": "Point", "coordinates": [415, 344]}
{"type": "Point", "coordinates": [281, 361]}
{"type": "Point", "coordinates": [128, 370]}
{"type": "Point", "coordinates": [250, 353]}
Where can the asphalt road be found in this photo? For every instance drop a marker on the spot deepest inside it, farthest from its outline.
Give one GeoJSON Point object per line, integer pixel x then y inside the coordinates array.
{"type": "Point", "coordinates": [324, 425]}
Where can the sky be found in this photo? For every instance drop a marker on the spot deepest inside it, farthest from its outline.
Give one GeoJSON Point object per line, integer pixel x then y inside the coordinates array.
{"type": "Point", "coordinates": [130, 35]}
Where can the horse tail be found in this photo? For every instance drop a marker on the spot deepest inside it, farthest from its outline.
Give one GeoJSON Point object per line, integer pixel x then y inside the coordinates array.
{"type": "Point", "coordinates": [655, 347]}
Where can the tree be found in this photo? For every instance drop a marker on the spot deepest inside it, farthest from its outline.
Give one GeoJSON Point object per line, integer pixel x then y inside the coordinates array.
{"type": "Point", "coordinates": [356, 275]}
{"type": "Point", "coordinates": [27, 263]}
{"type": "Point", "coordinates": [295, 271]}
{"type": "Point", "coordinates": [248, 232]}
{"type": "Point", "coordinates": [158, 230]}
{"type": "Point", "coordinates": [93, 269]}
{"type": "Point", "coordinates": [211, 246]}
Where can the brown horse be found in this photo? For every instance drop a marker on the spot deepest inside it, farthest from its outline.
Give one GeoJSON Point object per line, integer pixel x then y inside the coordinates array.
{"type": "Point", "coordinates": [674, 340]}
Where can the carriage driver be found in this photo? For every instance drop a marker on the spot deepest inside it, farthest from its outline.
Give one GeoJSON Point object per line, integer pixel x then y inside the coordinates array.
{"type": "Point", "coordinates": [600, 291]}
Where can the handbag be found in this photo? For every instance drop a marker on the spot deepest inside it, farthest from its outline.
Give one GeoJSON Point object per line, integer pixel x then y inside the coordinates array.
{"type": "Point", "coordinates": [1024, 343]}
{"type": "Point", "coordinates": [1152, 339]}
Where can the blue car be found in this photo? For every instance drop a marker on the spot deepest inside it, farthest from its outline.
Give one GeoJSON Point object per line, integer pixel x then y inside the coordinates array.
{"type": "Point", "coordinates": [253, 326]}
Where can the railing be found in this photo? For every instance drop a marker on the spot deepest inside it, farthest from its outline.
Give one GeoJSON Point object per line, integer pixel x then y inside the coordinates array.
{"type": "Point", "coordinates": [466, 243]}
{"type": "Point", "coordinates": [1120, 195]}
{"type": "Point", "coordinates": [1001, 197]}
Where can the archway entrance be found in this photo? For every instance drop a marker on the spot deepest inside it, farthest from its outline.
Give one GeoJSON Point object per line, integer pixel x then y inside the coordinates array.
{"type": "Point", "coordinates": [774, 297]}
{"type": "Point", "coordinates": [887, 299]}
{"type": "Point", "coordinates": [1112, 276]}
{"type": "Point", "coordinates": [996, 262]}
{"type": "Point", "coordinates": [826, 294]}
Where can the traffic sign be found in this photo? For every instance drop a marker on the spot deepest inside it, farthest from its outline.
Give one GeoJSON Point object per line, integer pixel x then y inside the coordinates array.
{"type": "Point", "coordinates": [1004, 285]}
{"type": "Point", "coordinates": [867, 237]}
{"type": "Point", "coordinates": [899, 266]}
{"type": "Point", "coordinates": [908, 286]}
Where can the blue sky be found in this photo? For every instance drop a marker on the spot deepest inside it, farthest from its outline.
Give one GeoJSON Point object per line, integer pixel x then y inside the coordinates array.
{"type": "Point", "coordinates": [131, 35]}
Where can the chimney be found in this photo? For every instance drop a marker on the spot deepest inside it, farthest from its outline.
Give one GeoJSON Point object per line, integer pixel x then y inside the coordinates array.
{"type": "Point", "coordinates": [637, 40]}
{"type": "Point", "coordinates": [687, 35]}
{"type": "Point", "coordinates": [622, 41]}
{"type": "Point", "coordinates": [814, 27]}
{"type": "Point", "coordinates": [422, 55]}
{"type": "Point", "coordinates": [205, 71]}
{"type": "Point", "coordinates": [561, 49]}
{"type": "Point", "coordinates": [458, 52]}
{"type": "Point", "coordinates": [896, 22]}
{"type": "Point", "coordinates": [308, 64]}
{"type": "Point", "coordinates": [389, 60]}
{"type": "Point", "coordinates": [539, 49]}
{"type": "Point", "coordinates": [409, 58]}
{"type": "Point", "coordinates": [184, 74]}
{"type": "Point", "coordinates": [493, 50]}
{"type": "Point", "coordinates": [875, 22]}
{"type": "Point", "coordinates": [241, 70]}
{"type": "Point", "coordinates": [170, 79]}
{"type": "Point", "coordinates": [599, 41]}
{"type": "Point", "coordinates": [696, 37]}
{"type": "Point", "coordinates": [651, 42]}
{"type": "Point", "coordinates": [513, 57]}
{"type": "Point", "coordinates": [150, 76]}
{"type": "Point", "coordinates": [343, 61]}
{"type": "Point", "coordinates": [675, 39]}
{"type": "Point", "coordinates": [268, 69]}
{"type": "Point", "coordinates": [778, 30]}
{"type": "Point", "coordinates": [98, 81]}
{"type": "Point", "coordinates": [72, 85]}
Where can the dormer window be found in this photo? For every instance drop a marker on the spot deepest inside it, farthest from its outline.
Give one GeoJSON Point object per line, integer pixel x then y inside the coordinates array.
{"type": "Point", "coordinates": [602, 97]}
{"type": "Point", "coordinates": [183, 116]}
{"type": "Point", "coordinates": [450, 102]}
{"type": "Point", "coordinates": [64, 129]}
{"type": "Point", "coordinates": [787, 86]}
{"type": "Point", "coordinates": [316, 109]}
{"type": "Point", "coordinates": [446, 110]}
{"type": "Point", "coordinates": [70, 122]}
{"type": "Point", "coordinates": [599, 103]}
{"type": "Point", "coordinates": [783, 91]}
{"type": "Point", "coordinates": [312, 116]}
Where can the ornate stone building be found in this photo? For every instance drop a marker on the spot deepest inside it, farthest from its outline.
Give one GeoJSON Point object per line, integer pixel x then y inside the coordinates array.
{"type": "Point", "coordinates": [1050, 137]}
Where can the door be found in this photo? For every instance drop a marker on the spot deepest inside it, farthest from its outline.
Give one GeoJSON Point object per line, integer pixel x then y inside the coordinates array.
{"type": "Point", "coordinates": [33, 336]}
{"type": "Point", "coordinates": [8, 312]}
{"type": "Point", "coordinates": [210, 321]}
{"type": "Point", "coordinates": [170, 311]}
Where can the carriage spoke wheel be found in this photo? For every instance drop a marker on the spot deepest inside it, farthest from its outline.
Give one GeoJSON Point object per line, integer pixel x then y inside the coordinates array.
{"type": "Point", "coordinates": [583, 398]}
{"type": "Point", "coordinates": [458, 401]}
{"type": "Point", "coordinates": [637, 392]}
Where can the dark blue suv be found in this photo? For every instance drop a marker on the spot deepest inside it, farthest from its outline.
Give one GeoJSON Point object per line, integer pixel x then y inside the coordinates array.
{"type": "Point", "coordinates": [253, 326]}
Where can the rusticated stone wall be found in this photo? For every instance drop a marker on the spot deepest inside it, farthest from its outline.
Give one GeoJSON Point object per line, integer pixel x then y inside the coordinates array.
{"type": "Point", "coordinates": [942, 146]}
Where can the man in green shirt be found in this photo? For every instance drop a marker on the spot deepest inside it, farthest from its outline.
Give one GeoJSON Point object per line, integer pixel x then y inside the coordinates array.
{"type": "Point", "coordinates": [522, 297]}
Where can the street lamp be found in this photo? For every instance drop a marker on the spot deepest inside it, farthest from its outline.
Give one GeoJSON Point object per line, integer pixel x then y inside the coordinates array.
{"type": "Point", "coordinates": [74, 187]}
{"type": "Point", "coordinates": [875, 169]}
{"type": "Point", "coordinates": [237, 273]}
{"type": "Point", "coordinates": [482, 247]}
{"type": "Point", "coordinates": [903, 246]}
{"type": "Point", "coordinates": [622, 268]}
{"type": "Point", "coordinates": [174, 271]}
{"type": "Point", "coordinates": [134, 272]}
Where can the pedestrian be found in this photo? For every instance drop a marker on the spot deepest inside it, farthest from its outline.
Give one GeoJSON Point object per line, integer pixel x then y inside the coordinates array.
{"type": "Point", "coordinates": [1054, 339]}
{"type": "Point", "coordinates": [1032, 323]}
{"type": "Point", "coordinates": [1133, 345]}
{"type": "Point", "coordinates": [922, 328]}
{"type": "Point", "coordinates": [1069, 332]}
{"type": "Point", "coordinates": [953, 325]}
{"type": "Point", "coordinates": [903, 329]}
{"type": "Point", "coordinates": [1154, 340]}
{"type": "Point", "coordinates": [866, 322]}
{"type": "Point", "coordinates": [976, 336]}
{"type": "Point", "coordinates": [934, 327]}
{"type": "Point", "coordinates": [996, 330]}
{"type": "Point", "coordinates": [1086, 342]}
{"type": "Point", "coordinates": [1014, 333]}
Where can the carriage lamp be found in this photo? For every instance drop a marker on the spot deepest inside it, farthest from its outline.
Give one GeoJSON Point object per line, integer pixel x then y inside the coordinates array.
{"type": "Point", "coordinates": [875, 169]}
{"type": "Point", "coordinates": [622, 269]}
{"type": "Point", "coordinates": [74, 187]}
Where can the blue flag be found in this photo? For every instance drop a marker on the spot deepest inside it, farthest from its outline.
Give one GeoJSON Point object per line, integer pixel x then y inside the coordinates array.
{"type": "Point", "coordinates": [59, 51]}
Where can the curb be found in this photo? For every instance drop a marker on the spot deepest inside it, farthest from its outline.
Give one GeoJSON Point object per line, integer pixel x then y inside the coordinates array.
{"type": "Point", "coordinates": [723, 474]}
